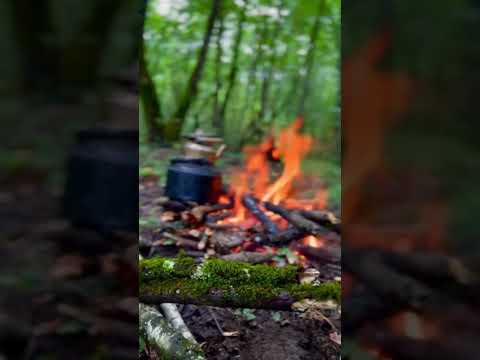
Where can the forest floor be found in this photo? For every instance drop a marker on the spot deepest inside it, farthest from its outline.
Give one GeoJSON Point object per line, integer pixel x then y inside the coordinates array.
{"type": "Point", "coordinates": [257, 334]}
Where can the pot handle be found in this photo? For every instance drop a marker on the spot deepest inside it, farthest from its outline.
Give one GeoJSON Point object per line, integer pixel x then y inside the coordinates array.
{"type": "Point", "coordinates": [220, 151]}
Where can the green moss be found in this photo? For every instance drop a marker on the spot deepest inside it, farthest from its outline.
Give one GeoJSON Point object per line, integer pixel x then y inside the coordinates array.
{"type": "Point", "coordinates": [235, 283]}
{"type": "Point", "coordinates": [325, 291]}
{"type": "Point", "coordinates": [158, 268]}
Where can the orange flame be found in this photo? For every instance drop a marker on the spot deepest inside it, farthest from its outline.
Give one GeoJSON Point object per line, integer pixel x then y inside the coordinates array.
{"type": "Point", "coordinates": [290, 147]}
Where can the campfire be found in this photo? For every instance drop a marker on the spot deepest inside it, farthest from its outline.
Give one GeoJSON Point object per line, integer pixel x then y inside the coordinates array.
{"type": "Point", "coordinates": [268, 213]}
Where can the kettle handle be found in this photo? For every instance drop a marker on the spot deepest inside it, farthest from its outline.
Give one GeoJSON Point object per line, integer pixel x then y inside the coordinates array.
{"type": "Point", "coordinates": [220, 150]}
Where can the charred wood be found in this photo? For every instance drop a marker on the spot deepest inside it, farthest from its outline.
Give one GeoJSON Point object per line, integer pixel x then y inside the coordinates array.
{"type": "Point", "coordinates": [224, 241]}
{"type": "Point", "coordinates": [324, 218]}
{"type": "Point", "coordinates": [321, 255]}
{"type": "Point", "coordinates": [284, 237]}
{"type": "Point", "coordinates": [295, 218]}
{"type": "Point", "coordinates": [252, 205]}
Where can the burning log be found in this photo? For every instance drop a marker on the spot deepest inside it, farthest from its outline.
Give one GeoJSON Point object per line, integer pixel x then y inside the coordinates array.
{"type": "Point", "coordinates": [322, 254]}
{"type": "Point", "coordinates": [200, 212]}
{"type": "Point", "coordinates": [252, 205]}
{"type": "Point", "coordinates": [324, 218]}
{"type": "Point", "coordinates": [295, 218]}
{"type": "Point", "coordinates": [211, 219]}
{"type": "Point", "coordinates": [251, 257]}
{"type": "Point", "coordinates": [228, 284]}
{"type": "Point", "coordinates": [284, 237]}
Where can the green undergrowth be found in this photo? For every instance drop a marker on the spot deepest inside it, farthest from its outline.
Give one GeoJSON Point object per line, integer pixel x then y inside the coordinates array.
{"type": "Point", "coordinates": [237, 283]}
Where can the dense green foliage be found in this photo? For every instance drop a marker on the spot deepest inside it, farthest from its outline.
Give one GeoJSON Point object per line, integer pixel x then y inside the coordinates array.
{"type": "Point", "coordinates": [267, 61]}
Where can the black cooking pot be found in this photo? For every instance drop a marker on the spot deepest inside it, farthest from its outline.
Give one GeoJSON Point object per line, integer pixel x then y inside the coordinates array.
{"type": "Point", "coordinates": [193, 180]}
{"type": "Point", "coordinates": [101, 189]}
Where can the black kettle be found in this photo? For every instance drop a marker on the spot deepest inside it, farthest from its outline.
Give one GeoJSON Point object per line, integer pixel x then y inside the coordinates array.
{"type": "Point", "coordinates": [194, 177]}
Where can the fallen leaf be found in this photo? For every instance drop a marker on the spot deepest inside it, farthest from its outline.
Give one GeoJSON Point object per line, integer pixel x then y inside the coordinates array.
{"type": "Point", "coordinates": [335, 337]}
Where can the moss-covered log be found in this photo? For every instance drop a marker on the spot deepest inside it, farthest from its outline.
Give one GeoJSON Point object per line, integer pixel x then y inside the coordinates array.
{"type": "Point", "coordinates": [227, 284]}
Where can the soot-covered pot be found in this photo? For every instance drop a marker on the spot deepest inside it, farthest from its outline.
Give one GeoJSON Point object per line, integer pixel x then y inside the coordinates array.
{"type": "Point", "coordinates": [193, 180]}
{"type": "Point", "coordinates": [101, 190]}
{"type": "Point", "coordinates": [194, 176]}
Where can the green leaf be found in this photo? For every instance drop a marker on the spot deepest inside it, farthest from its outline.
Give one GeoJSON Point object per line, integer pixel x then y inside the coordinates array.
{"type": "Point", "coordinates": [277, 316]}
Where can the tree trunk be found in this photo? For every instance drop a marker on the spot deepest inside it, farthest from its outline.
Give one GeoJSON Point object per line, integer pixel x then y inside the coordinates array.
{"type": "Point", "coordinates": [271, 65]}
{"type": "Point", "coordinates": [309, 60]}
{"type": "Point", "coordinates": [251, 79]}
{"type": "Point", "coordinates": [218, 78]}
{"type": "Point", "coordinates": [174, 126]}
{"type": "Point", "coordinates": [149, 99]}
{"type": "Point", "coordinates": [234, 68]}
{"type": "Point", "coordinates": [148, 94]}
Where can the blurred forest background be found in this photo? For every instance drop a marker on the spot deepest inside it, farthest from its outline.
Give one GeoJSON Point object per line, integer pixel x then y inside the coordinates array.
{"type": "Point", "coordinates": [241, 69]}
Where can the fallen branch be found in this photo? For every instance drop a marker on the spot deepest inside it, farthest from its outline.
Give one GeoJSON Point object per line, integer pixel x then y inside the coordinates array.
{"type": "Point", "coordinates": [252, 205]}
{"type": "Point", "coordinates": [173, 315]}
{"type": "Point", "coordinates": [160, 335]}
{"type": "Point", "coordinates": [227, 284]}
{"type": "Point", "coordinates": [200, 212]}
{"type": "Point", "coordinates": [224, 241]}
{"type": "Point", "coordinates": [179, 241]}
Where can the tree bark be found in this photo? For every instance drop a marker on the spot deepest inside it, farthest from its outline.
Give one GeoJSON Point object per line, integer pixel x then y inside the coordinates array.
{"type": "Point", "coordinates": [271, 65]}
{"type": "Point", "coordinates": [252, 77]}
{"type": "Point", "coordinates": [167, 342]}
{"type": "Point", "coordinates": [309, 60]}
{"type": "Point", "coordinates": [174, 126]}
{"type": "Point", "coordinates": [234, 68]}
{"type": "Point", "coordinates": [148, 97]}
{"type": "Point", "coordinates": [218, 73]}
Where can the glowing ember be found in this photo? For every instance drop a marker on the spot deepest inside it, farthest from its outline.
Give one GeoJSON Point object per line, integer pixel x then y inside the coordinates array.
{"type": "Point", "coordinates": [313, 241]}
